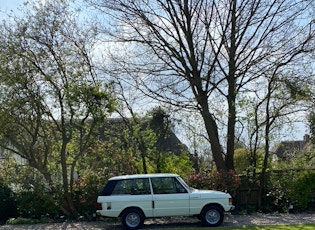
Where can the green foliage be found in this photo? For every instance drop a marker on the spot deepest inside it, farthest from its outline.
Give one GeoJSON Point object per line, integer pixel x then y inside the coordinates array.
{"type": "Point", "coordinates": [290, 187]}
{"type": "Point", "coordinates": [23, 220]}
{"type": "Point", "coordinates": [35, 204]}
{"type": "Point", "coordinates": [53, 102]}
{"type": "Point", "coordinates": [176, 164]}
{"type": "Point", "coordinates": [8, 205]}
{"type": "Point", "coordinates": [276, 199]}
{"type": "Point", "coordinates": [297, 161]}
{"type": "Point", "coordinates": [85, 192]}
{"type": "Point", "coordinates": [222, 181]}
{"type": "Point", "coordinates": [245, 161]}
{"type": "Point", "coordinates": [302, 189]}
{"type": "Point", "coordinates": [32, 195]}
{"type": "Point", "coordinates": [241, 161]}
{"type": "Point", "coordinates": [105, 159]}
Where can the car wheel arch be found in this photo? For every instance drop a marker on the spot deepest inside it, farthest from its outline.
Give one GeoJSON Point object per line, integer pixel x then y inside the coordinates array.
{"type": "Point", "coordinates": [213, 205]}
{"type": "Point", "coordinates": [132, 207]}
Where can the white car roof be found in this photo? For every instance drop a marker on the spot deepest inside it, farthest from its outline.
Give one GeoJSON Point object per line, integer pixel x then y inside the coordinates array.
{"type": "Point", "coordinates": [150, 175]}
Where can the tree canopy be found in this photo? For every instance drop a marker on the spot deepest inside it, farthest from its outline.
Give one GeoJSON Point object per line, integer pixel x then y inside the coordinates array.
{"type": "Point", "coordinates": [52, 99]}
{"type": "Point", "coordinates": [206, 54]}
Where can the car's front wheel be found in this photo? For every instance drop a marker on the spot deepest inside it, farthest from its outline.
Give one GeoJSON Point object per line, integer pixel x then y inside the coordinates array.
{"type": "Point", "coordinates": [212, 216]}
{"type": "Point", "coordinates": [132, 219]}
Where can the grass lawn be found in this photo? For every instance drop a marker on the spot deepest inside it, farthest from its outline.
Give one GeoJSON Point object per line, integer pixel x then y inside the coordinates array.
{"type": "Point", "coordinates": [280, 227]}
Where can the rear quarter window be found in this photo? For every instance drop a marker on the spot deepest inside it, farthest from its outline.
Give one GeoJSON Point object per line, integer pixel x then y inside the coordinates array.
{"type": "Point", "coordinates": [139, 186]}
{"type": "Point", "coordinates": [109, 187]}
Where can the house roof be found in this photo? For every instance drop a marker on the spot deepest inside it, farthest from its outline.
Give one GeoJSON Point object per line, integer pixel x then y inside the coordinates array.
{"type": "Point", "coordinates": [169, 143]}
{"type": "Point", "coordinates": [288, 149]}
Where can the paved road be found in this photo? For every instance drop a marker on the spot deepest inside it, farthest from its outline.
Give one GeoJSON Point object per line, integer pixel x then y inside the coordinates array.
{"type": "Point", "coordinates": [169, 223]}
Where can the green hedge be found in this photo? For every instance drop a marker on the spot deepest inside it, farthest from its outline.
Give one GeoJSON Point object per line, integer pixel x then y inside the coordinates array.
{"type": "Point", "coordinates": [7, 207]}
{"type": "Point", "coordinates": [291, 187]}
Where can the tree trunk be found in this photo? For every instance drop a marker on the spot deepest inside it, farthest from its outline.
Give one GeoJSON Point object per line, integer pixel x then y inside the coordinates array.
{"type": "Point", "coordinates": [262, 189]}
{"type": "Point", "coordinates": [231, 79]}
{"type": "Point", "coordinates": [143, 158]}
{"type": "Point", "coordinates": [68, 207]}
{"type": "Point", "coordinates": [212, 131]}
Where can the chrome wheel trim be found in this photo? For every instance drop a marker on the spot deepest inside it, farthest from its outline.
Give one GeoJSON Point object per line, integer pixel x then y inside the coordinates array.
{"type": "Point", "coordinates": [212, 216]}
{"type": "Point", "coordinates": [133, 219]}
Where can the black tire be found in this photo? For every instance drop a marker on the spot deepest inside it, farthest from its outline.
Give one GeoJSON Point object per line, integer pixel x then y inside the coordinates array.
{"type": "Point", "coordinates": [212, 216]}
{"type": "Point", "coordinates": [132, 219]}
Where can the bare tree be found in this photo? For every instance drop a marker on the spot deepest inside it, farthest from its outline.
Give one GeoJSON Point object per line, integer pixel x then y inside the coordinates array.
{"type": "Point", "coordinates": [191, 53]}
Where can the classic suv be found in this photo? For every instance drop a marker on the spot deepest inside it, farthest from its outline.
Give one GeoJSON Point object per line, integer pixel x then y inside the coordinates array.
{"type": "Point", "coordinates": [136, 197]}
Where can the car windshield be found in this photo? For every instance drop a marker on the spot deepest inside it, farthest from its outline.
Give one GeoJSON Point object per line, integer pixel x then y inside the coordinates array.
{"type": "Point", "coordinates": [186, 185]}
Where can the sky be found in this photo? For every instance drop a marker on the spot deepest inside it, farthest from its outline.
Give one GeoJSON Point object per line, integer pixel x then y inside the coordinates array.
{"type": "Point", "coordinates": [12, 5]}
{"type": "Point", "coordinates": [8, 5]}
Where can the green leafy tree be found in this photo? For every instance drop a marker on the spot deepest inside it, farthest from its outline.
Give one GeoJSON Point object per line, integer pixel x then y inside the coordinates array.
{"type": "Point", "coordinates": [52, 100]}
{"type": "Point", "coordinates": [149, 136]}
{"type": "Point", "coordinates": [148, 142]}
{"type": "Point", "coordinates": [244, 161]}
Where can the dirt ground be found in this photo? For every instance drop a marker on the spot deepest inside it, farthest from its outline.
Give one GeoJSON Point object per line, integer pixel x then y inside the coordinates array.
{"type": "Point", "coordinates": [175, 222]}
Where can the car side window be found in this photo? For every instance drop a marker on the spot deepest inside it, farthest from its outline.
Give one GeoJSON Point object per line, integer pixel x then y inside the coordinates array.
{"type": "Point", "coordinates": [123, 187]}
{"type": "Point", "coordinates": [167, 185]}
{"type": "Point", "coordinates": [179, 187]}
{"type": "Point", "coordinates": [139, 186]}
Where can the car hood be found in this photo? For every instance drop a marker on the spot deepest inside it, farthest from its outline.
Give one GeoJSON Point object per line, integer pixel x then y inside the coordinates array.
{"type": "Point", "coordinates": [209, 193]}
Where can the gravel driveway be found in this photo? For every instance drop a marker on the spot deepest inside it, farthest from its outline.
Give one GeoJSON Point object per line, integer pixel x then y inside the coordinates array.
{"type": "Point", "coordinates": [167, 223]}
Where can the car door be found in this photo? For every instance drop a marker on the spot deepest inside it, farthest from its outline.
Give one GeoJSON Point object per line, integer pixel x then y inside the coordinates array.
{"type": "Point", "coordinates": [170, 198]}
{"type": "Point", "coordinates": [133, 193]}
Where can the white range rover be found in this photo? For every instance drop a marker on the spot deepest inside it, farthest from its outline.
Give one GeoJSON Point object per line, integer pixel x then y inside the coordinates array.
{"type": "Point", "coordinates": [140, 196]}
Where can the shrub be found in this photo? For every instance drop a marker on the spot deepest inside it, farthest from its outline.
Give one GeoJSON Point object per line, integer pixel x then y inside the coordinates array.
{"type": "Point", "coordinates": [302, 190]}
{"type": "Point", "coordinates": [276, 199]}
{"type": "Point", "coordinates": [85, 192]}
{"type": "Point", "coordinates": [290, 187]}
{"type": "Point", "coordinates": [35, 204]}
{"type": "Point", "coordinates": [222, 181]}
{"type": "Point", "coordinates": [7, 207]}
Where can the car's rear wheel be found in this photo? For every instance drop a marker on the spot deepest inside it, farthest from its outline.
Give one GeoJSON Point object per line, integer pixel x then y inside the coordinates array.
{"type": "Point", "coordinates": [212, 216]}
{"type": "Point", "coordinates": [132, 219]}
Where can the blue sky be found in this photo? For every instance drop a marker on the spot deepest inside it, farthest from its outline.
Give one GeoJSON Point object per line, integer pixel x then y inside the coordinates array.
{"type": "Point", "coordinates": [8, 5]}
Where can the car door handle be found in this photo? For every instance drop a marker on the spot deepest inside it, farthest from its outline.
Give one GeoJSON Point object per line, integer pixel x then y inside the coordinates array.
{"type": "Point", "coordinates": [152, 203]}
{"type": "Point", "coordinates": [194, 197]}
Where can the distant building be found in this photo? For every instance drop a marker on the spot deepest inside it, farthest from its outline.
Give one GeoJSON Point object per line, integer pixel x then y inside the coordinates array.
{"type": "Point", "coordinates": [288, 149]}
{"type": "Point", "coordinates": [167, 142]}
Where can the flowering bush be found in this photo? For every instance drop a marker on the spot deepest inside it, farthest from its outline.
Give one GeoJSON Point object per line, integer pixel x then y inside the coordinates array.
{"type": "Point", "coordinates": [222, 181]}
